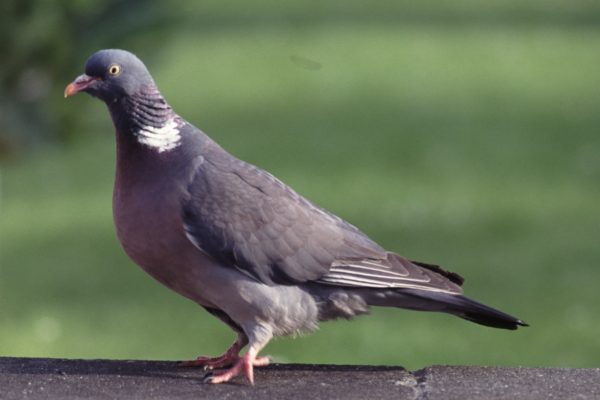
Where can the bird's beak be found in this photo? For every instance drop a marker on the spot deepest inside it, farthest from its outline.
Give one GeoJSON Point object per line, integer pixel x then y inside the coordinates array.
{"type": "Point", "coordinates": [80, 83]}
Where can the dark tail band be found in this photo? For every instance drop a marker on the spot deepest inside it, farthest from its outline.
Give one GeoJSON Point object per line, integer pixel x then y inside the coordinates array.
{"type": "Point", "coordinates": [459, 305]}
{"type": "Point", "coordinates": [470, 310]}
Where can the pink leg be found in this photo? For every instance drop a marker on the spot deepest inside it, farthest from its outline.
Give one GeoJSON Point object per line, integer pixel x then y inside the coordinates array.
{"type": "Point", "coordinates": [245, 364]}
{"type": "Point", "coordinates": [231, 356]}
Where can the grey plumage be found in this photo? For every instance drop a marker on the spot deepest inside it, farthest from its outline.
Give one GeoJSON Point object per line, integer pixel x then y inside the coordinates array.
{"type": "Point", "coordinates": [239, 242]}
{"type": "Point", "coordinates": [246, 218]}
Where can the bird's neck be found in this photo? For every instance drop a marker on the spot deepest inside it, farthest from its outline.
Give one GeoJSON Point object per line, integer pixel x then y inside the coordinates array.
{"type": "Point", "coordinates": [147, 119]}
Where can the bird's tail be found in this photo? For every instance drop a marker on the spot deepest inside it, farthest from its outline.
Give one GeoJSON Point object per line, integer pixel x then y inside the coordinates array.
{"type": "Point", "coordinates": [455, 304]}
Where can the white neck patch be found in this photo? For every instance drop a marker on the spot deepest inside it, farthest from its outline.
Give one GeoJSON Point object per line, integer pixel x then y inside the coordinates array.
{"type": "Point", "coordinates": [165, 138]}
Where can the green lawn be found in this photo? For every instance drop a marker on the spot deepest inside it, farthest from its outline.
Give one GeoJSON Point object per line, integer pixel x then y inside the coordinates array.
{"type": "Point", "coordinates": [473, 147]}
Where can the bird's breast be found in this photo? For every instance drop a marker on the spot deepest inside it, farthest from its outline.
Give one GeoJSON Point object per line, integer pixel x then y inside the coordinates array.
{"type": "Point", "coordinates": [148, 223]}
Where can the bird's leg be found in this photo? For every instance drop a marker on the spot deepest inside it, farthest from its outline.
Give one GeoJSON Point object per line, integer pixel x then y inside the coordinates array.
{"type": "Point", "coordinates": [246, 363]}
{"type": "Point", "coordinates": [231, 356]}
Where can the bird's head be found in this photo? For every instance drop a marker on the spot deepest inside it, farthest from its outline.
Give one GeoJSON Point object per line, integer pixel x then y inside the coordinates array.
{"type": "Point", "coordinates": [111, 75]}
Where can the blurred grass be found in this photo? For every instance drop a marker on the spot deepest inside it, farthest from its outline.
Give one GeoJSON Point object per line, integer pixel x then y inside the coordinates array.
{"type": "Point", "coordinates": [475, 147]}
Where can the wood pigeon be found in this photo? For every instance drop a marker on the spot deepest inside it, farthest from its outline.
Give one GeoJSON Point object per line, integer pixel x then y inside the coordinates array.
{"type": "Point", "coordinates": [239, 242]}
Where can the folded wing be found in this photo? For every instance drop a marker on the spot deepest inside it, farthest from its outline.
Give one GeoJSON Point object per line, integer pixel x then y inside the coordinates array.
{"type": "Point", "coordinates": [249, 220]}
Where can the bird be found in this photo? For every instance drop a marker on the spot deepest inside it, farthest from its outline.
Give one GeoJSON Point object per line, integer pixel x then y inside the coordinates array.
{"type": "Point", "coordinates": [236, 240]}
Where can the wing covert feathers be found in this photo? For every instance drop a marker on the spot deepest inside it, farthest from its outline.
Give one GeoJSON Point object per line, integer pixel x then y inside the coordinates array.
{"type": "Point", "coordinates": [247, 219]}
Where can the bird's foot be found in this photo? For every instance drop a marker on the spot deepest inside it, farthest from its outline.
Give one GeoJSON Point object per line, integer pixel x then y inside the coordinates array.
{"type": "Point", "coordinates": [222, 361]}
{"type": "Point", "coordinates": [244, 364]}
{"type": "Point", "coordinates": [230, 357]}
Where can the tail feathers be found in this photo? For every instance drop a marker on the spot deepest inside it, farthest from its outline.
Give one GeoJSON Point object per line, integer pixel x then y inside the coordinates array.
{"type": "Point", "coordinates": [481, 314]}
{"type": "Point", "coordinates": [455, 304]}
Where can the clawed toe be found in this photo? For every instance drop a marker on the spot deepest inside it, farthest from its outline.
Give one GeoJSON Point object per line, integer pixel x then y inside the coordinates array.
{"type": "Point", "coordinates": [226, 375]}
{"type": "Point", "coordinates": [243, 365]}
{"type": "Point", "coordinates": [210, 363]}
{"type": "Point", "coordinates": [262, 361]}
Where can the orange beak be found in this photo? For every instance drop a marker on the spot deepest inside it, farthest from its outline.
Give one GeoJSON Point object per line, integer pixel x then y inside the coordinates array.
{"type": "Point", "coordinates": [80, 83]}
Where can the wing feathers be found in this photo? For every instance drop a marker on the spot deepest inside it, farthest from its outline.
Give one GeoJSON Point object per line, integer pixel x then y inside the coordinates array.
{"type": "Point", "coordinates": [391, 272]}
{"type": "Point", "coordinates": [247, 219]}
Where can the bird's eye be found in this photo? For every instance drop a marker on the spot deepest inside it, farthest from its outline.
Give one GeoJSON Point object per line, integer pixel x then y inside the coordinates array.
{"type": "Point", "coordinates": [114, 69]}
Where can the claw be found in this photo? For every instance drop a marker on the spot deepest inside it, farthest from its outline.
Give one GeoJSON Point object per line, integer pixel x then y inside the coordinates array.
{"type": "Point", "coordinates": [208, 378]}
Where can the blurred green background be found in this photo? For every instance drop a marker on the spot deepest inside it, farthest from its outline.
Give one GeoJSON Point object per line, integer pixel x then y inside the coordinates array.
{"type": "Point", "coordinates": [463, 133]}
